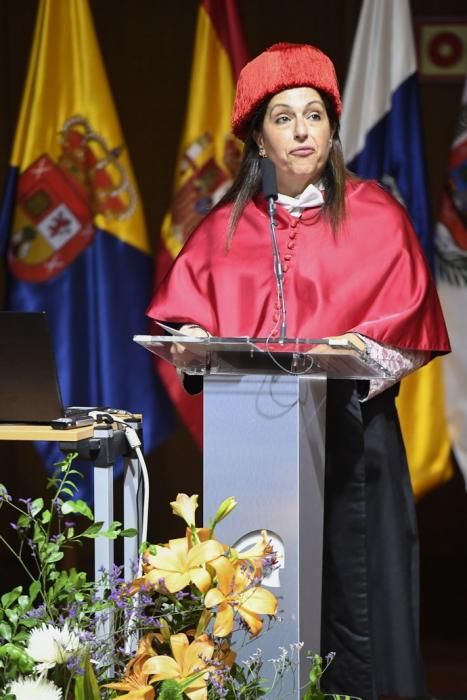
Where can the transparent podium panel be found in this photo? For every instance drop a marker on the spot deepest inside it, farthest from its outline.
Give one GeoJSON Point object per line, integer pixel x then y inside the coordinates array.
{"type": "Point", "coordinates": [336, 359]}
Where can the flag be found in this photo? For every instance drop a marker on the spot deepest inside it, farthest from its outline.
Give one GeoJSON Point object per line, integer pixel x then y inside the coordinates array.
{"type": "Point", "coordinates": [208, 158]}
{"type": "Point", "coordinates": [381, 136]}
{"type": "Point", "coordinates": [451, 259]}
{"type": "Point", "coordinates": [73, 228]}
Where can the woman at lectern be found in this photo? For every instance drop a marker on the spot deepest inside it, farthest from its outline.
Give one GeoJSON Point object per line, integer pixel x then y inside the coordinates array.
{"type": "Point", "coordinates": [352, 267]}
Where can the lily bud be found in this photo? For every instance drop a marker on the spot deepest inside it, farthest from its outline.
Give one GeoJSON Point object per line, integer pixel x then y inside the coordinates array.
{"type": "Point", "coordinates": [223, 511]}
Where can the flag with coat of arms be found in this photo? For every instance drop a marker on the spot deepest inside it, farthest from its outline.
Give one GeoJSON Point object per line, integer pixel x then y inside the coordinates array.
{"type": "Point", "coordinates": [208, 159]}
{"type": "Point", "coordinates": [382, 140]}
{"type": "Point", "coordinates": [72, 225]}
{"type": "Point", "coordinates": [451, 264]}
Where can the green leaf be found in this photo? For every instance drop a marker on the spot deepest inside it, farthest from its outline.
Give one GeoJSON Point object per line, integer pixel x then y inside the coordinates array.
{"type": "Point", "coordinates": [77, 472]}
{"type": "Point", "coordinates": [23, 520]}
{"type": "Point", "coordinates": [170, 690]}
{"type": "Point", "coordinates": [23, 602]}
{"type": "Point", "coordinates": [68, 491]}
{"type": "Point", "coordinates": [92, 530]}
{"type": "Point", "coordinates": [10, 597]}
{"type": "Point", "coordinates": [77, 506]}
{"type": "Point", "coordinates": [86, 687]}
{"type": "Point", "coordinates": [36, 506]}
{"type": "Point", "coordinates": [113, 532]}
{"type": "Point", "coordinates": [45, 518]}
{"type": "Point", "coordinates": [129, 532]}
{"type": "Point", "coordinates": [16, 655]}
{"type": "Point", "coordinates": [148, 547]}
{"type": "Point", "coordinates": [314, 691]}
{"type": "Point", "coordinates": [5, 631]}
{"type": "Point", "coordinates": [53, 557]}
{"type": "Point", "coordinates": [203, 622]}
{"type": "Point", "coordinates": [12, 616]}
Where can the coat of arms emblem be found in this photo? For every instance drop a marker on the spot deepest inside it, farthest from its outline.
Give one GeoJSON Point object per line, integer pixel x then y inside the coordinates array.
{"type": "Point", "coordinates": [57, 202]}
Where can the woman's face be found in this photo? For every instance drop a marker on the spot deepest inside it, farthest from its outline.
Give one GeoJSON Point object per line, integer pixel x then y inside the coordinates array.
{"type": "Point", "coordinates": [296, 135]}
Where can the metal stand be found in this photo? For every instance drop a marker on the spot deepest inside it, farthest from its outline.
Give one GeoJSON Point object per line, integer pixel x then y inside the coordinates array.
{"type": "Point", "coordinates": [103, 449]}
{"type": "Point", "coordinates": [264, 444]}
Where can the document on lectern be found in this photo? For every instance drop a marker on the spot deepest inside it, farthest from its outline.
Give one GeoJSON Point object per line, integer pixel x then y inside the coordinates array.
{"type": "Point", "coordinates": [336, 358]}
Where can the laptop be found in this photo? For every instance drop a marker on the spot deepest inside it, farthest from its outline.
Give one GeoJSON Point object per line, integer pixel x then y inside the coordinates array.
{"type": "Point", "coordinates": [29, 388]}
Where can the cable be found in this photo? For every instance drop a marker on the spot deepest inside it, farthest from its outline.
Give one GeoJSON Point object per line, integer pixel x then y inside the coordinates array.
{"type": "Point", "coordinates": [135, 444]}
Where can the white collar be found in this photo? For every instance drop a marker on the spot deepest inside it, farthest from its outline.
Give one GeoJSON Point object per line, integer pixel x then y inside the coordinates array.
{"type": "Point", "coordinates": [312, 196]}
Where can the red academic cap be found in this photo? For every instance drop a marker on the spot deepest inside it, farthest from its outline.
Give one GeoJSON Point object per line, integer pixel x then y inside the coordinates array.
{"type": "Point", "coordinates": [281, 67]}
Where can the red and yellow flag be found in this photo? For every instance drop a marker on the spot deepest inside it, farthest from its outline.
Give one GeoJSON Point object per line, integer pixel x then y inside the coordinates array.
{"type": "Point", "coordinates": [209, 155]}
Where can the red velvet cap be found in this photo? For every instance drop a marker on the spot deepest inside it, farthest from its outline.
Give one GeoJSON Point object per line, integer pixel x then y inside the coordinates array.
{"type": "Point", "coordinates": [281, 67]}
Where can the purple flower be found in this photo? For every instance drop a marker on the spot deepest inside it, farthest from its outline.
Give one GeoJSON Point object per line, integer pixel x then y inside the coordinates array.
{"type": "Point", "coordinates": [38, 612]}
{"type": "Point", "coordinates": [74, 665]}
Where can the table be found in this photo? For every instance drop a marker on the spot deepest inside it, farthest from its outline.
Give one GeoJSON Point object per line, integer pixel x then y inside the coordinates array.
{"type": "Point", "coordinates": [102, 444]}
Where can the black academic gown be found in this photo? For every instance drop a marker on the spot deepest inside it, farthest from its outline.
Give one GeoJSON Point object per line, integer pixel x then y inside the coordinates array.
{"type": "Point", "coordinates": [370, 571]}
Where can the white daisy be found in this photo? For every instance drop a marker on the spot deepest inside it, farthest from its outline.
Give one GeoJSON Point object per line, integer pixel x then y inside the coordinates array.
{"type": "Point", "coordinates": [35, 689]}
{"type": "Point", "coordinates": [49, 645]}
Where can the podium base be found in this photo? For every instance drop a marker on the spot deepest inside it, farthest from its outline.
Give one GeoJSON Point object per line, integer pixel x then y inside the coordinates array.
{"type": "Point", "coordinates": [264, 444]}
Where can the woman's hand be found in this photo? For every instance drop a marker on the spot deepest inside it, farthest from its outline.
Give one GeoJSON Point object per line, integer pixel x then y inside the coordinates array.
{"type": "Point", "coordinates": [180, 351]}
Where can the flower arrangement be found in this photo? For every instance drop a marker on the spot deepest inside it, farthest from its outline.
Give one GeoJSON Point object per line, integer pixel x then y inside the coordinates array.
{"type": "Point", "coordinates": [174, 627]}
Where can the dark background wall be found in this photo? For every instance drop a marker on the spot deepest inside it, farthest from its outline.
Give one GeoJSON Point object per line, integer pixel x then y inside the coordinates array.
{"type": "Point", "coordinates": [147, 48]}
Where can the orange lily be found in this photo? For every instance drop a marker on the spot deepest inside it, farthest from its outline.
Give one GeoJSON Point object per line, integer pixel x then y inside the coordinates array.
{"type": "Point", "coordinates": [188, 660]}
{"type": "Point", "coordinates": [234, 593]}
{"type": "Point", "coordinates": [255, 555]}
{"type": "Point", "coordinates": [135, 679]}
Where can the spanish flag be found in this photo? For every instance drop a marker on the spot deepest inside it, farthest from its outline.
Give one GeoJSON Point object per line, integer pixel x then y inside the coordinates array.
{"type": "Point", "coordinates": [73, 226]}
{"type": "Point", "coordinates": [208, 158]}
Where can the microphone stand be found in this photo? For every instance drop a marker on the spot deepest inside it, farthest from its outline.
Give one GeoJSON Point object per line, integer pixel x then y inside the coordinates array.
{"type": "Point", "coordinates": [278, 271]}
{"type": "Point", "coordinates": [268, 176]}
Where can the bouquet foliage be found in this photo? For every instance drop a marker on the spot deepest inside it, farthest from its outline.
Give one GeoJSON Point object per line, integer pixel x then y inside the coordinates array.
{"type": "Point", "coordinates": [173, 632]}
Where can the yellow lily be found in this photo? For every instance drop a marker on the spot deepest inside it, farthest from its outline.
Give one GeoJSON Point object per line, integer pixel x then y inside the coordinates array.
{"type": "Point", "coordinates": [135, 679]}
{"type": "Point", "coordinates": [235, 594]}
{"type": "Point", "coordinates": [185, 507]}
{"type": "Point", "coordinates": [178, 565]}
{"type": "Point", "coordinates": [188, 660]}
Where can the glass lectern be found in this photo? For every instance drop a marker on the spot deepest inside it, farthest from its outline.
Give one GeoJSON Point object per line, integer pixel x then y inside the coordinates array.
{"type": "Point", "coordinates": [264, 443]}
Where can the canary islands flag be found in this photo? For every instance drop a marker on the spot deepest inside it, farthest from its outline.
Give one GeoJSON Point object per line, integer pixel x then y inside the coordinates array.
{"type": "Point", "coordinates": [209, 155]}
{"type": "Point", "coordinates": [73, 227]}
{"type": "Point", "coordinates": [381, 136]}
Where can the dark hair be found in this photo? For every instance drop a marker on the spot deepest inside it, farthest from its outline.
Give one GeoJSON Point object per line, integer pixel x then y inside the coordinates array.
{"type": "Point", "coordinates": [247, 182]}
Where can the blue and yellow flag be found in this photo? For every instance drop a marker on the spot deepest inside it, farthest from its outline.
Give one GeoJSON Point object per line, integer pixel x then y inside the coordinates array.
{"type": "Point", "coordinates": [73, 224]}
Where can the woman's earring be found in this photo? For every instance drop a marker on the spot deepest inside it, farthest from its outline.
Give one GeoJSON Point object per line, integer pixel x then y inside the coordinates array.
{"type": "Point", "coordinates": [330, 143]}
{"type": "Point", "coordinates": [262, 152]}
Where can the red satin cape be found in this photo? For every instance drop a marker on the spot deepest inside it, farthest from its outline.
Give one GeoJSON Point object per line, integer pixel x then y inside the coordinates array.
{"type": "Point", "coordinates": [369, 277]}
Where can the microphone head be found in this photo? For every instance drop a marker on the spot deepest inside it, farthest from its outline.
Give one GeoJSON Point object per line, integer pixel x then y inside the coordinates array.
{"type": "Point", "coordinates": [268, 177]}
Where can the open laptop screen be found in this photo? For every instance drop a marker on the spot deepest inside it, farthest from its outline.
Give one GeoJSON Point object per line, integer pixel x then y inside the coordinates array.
{"type": "Point", "coordinates": [29, 389]}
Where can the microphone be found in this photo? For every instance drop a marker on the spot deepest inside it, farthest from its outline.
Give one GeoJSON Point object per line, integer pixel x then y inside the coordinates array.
{"type": "Point", "coordinates": [268, 177]}
{"type": "Point", "coordinates": [269, 185]}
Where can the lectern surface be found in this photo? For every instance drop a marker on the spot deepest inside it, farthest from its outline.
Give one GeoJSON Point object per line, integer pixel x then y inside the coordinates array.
{"type": "Point", "coordinates": [297, 356]}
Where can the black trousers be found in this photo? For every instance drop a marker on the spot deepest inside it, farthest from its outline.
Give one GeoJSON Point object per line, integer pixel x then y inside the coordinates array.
{"type": "Point", "coordinates": [370, 599]}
